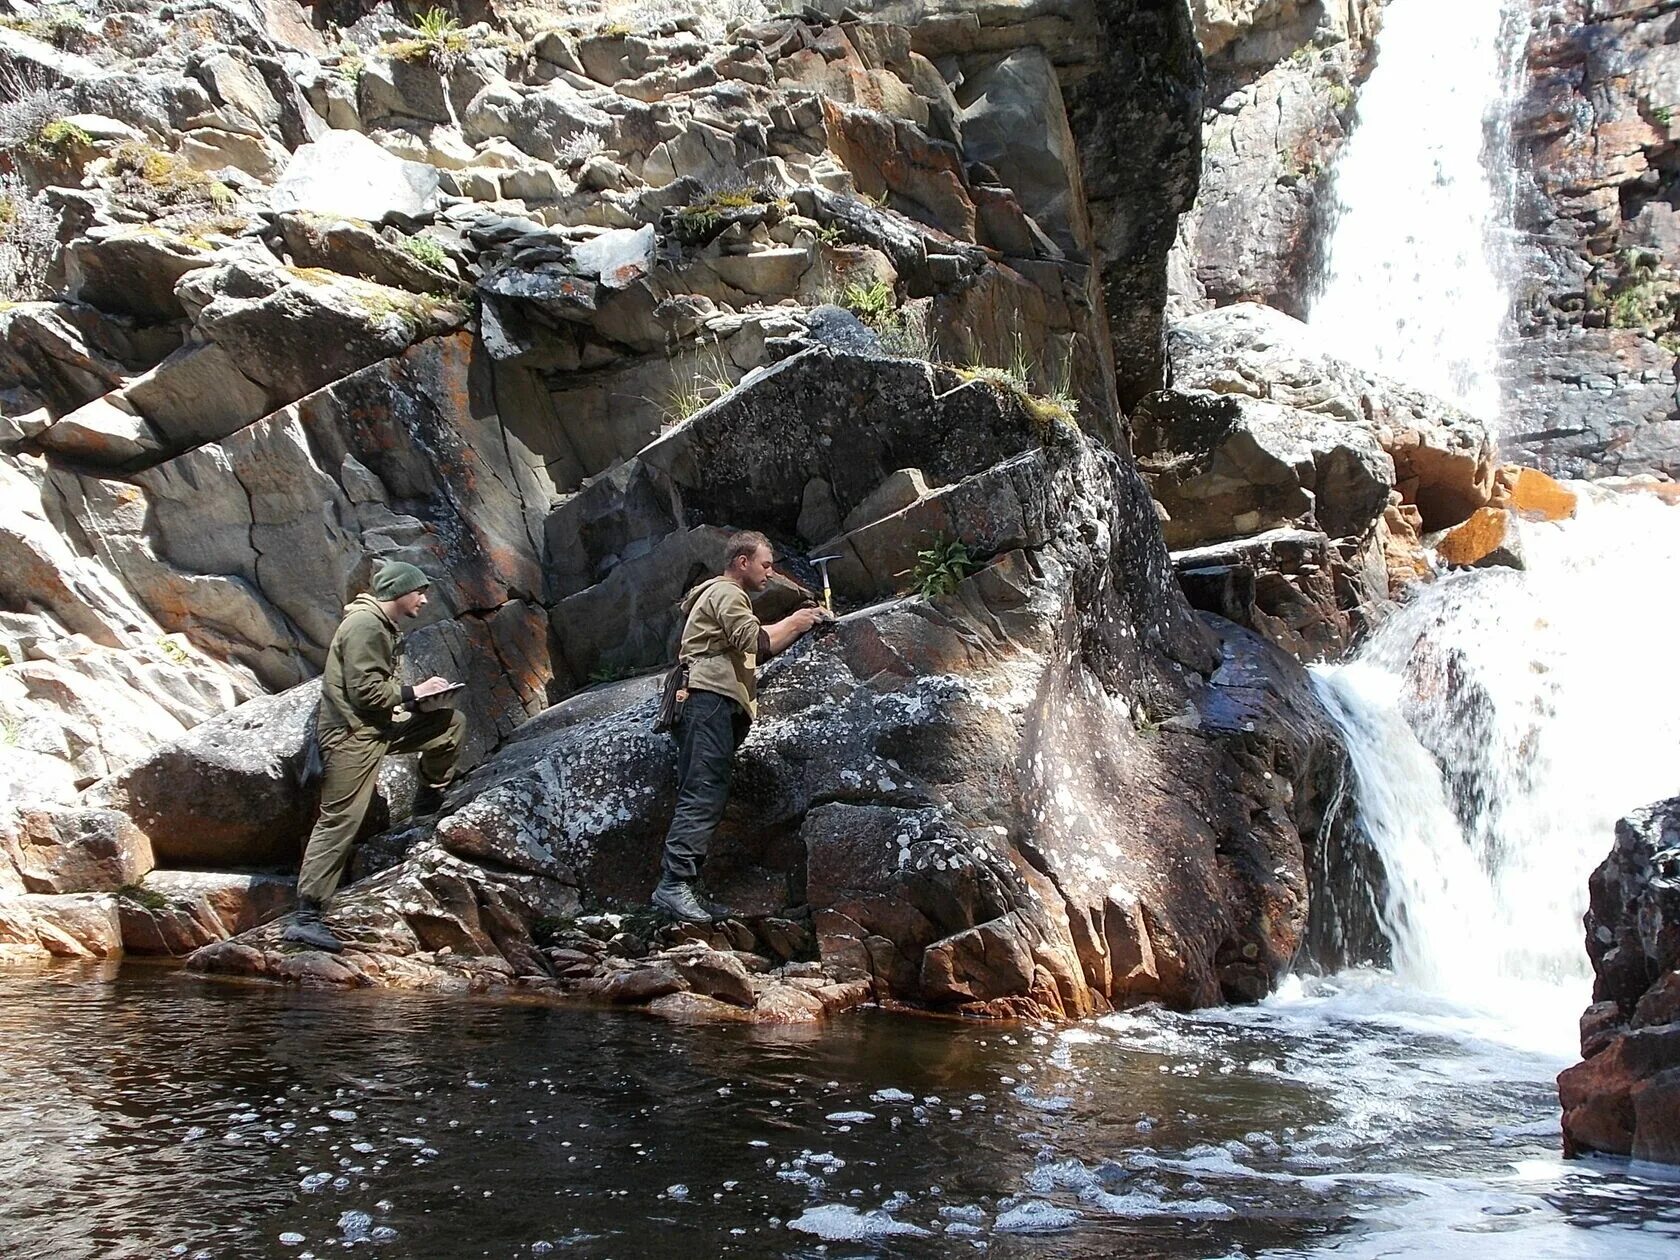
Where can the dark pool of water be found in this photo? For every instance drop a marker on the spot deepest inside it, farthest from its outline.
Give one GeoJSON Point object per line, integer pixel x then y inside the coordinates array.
{"type": "Point", "coordinates": [143, 1113]}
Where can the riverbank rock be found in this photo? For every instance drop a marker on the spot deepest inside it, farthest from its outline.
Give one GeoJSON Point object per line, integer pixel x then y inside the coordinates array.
{"type": "Point", "coordinates": [1624, 1098]}
{"type": "Point", "coordinates": [921, 803]}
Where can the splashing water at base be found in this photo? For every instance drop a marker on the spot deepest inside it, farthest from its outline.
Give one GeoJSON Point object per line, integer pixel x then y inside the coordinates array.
{"type": "Point", "coordinates": [1413, 284]}
{"type": "Point", "coordinates": [1498, 726]}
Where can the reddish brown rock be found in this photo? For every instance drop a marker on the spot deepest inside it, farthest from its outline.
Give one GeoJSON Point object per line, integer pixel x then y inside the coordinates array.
{"type": "Point", "coordinates": [1531, 493]}
{"type": "Point", "coordinates": [1624, 1097]}
{"type": "Point", "coordinates": [77, 926]}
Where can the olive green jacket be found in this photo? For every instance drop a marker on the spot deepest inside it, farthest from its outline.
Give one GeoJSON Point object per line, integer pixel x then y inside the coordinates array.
{"type": "Point", "coordinates": [362, 684]}
{"type": "Point", "coordinates": [721, 641]}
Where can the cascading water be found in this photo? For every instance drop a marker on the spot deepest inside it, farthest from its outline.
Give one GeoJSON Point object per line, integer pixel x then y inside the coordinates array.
{"type": "Point", "coordinates": [1413, 285]}
{"type": "Point", "coordinates": [1494, 724]}
{"type": "Point", "coordinates": [1497, 730]}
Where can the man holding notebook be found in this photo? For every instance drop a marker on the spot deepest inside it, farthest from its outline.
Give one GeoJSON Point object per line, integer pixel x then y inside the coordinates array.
{"type": "Point", "coordinates": [365, 713]}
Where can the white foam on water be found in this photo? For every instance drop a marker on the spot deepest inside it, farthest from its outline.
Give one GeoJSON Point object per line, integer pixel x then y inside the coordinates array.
{"type": "Point", "coordinates": [838, 1222]}
{"type": "Point", "coordinates": [1497, 731]}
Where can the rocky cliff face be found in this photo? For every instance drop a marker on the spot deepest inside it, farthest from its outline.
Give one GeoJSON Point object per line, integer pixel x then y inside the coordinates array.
{"type": "Point", "coordinates": [1282, 81]}
{"type": "Point", "coordinates": [1625, 1096]}
{"type": "Point", "coordinates": [1593, 378]}
{"type": "Point", "coordinates": [546, 306]}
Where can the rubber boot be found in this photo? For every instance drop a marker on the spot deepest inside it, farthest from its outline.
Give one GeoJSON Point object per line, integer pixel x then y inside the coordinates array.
{"type": "Point", "coordinates": [308, 929]}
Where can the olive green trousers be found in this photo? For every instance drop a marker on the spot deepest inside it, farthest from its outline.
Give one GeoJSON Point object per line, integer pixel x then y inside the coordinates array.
{"type": "Point", "coordinates": [352, 773]}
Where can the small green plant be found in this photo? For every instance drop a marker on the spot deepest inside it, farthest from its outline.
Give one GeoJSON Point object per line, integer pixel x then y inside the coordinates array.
{"type": "Point", "coordinates": [1341, 97]}
{"type": "Point", "coordinates": [11, 730]}
{"type": "Point", "coordinates": [878, 200]}
{"type": "Point", "coordinates": [873, 303]}
{"type": "Point", "coordinates": [427, 252]}
{"type": "Point", "coordinates": [351, 66]}
{"type": "Point", "coordinates": [441, 40]}
{"type": "Point", "coordinates": [60, 138]}
{"type": "Point", "coordinates": [143, 897]}
{"type": "Point", "coordinates": [1303, 56]}
{"type": "Point", "coordinates": [417, 313]}
{"type": "Point", "coordinates": [1016, 377]}
{"type": "Point", "coordinates": [941, 568]}
{"type": "Point", "coordinates": [830, 235]}
{"type": "Point", "coordinates": [611, 673]}
{"type": "Point", "coordinates": [173, 650]}
{"type": "Point", "coordinates": [702, 219]}
{"type": "Point", "coordinates": [1663, 114]}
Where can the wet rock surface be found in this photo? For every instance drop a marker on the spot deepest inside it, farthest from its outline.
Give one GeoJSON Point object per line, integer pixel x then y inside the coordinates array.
{"type": "Point", "coordinates": [1624, 1096]}
{"type": "Point", "coordinates": [917, 814]}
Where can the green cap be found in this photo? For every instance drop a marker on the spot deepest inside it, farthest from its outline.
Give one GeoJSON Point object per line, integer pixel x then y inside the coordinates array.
{"type": "Point", "coordinates": [397, 579]}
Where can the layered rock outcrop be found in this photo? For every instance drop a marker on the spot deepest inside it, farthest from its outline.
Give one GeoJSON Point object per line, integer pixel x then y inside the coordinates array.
{"type": "Point", "coordinates": [1282, 80]}
{"type": "Point", "coordinates": [1624, 1097]}
{"type": "Point", "coordinates": [1294, 488]}
{"type": "Point", "coordinates": [1593, 378]}
{"type": "Point", "coordinates": [333, 290]}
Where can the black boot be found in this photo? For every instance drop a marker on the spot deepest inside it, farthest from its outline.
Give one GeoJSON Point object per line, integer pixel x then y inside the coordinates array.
{"type": "Point", "coordinates": [428, 800]}
{"type": "Point", "coordinates": [308, 929]}
{"type": "Point", "coordinates": [716, 909]}
{"type": "Point", "coordinates": [676, 897]}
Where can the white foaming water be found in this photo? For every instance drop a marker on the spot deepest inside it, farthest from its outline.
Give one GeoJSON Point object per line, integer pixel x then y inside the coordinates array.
{"type": "Point", "coordinates": [1497, 732]}
{"type": "Point", "coordinates": [1412, 286]}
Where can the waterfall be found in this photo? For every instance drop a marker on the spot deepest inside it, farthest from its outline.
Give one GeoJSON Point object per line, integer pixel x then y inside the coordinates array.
{"type": "Point", "coordinates": [1414, 284]}
{"type": "Point", "coordinates": [1498, 725]}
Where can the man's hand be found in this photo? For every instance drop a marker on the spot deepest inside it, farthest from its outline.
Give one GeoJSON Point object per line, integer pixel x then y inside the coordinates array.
{"type": "Point", "coordinates": [796, 623]}
{"type": "Point", "coordinates": [431, 687]}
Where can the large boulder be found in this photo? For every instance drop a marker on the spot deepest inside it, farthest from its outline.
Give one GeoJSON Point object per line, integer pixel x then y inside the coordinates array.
{"type": "Point", "coordinates": [1624, 1098]}
{"type": "Point", "coordinates": [1224, 466]}
{"type": "Point", "coordinates": [923, 794]}
{"type": "Point", "coordinates": [74, 850]}
{"type": "Point", "coordinates": [346, 174]}
{"type": "Point", "coordinates": [1443, 457]}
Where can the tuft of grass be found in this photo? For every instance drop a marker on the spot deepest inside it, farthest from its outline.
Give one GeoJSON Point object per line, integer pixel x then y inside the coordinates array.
{"type": "Point", "coordinates": [1017, 377]}
{"type": "Point", "coordinates": [143, 897]}
{"type": "Point", "coordinates": [28, 241]}
{"type": "Point", "coordinates": [351, 66]}
{"type": "Point", "coordinates": [426, 251]}
{"type": "Point", "coordinates": [703, 219]}
{"type": "Point", "coordinates": [61, 138]}
{"type": "Point", "coordinates": [941, 567]}
{"type": "Point", "coordinates": [440, 41]}
{"type": "Point", "coordinates": [706, 380]}
{"type": "Point", "coordinates": [416, 312]}
{"type": "Point", "coordinates": [162, 182]}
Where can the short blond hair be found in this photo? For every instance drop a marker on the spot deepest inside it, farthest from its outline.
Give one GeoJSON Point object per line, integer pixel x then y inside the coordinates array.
{"type": "Point", "coordinates": [744, 542]}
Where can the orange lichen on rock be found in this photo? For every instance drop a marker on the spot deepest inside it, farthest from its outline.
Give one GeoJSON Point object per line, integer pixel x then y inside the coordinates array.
{"type": "Point", "coordinates": [1487, 531]}
{"type": "Point", "coordinates": [1534, 494]}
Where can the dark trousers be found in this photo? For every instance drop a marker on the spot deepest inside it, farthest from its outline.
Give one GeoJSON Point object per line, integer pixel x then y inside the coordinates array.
{"type": "Point", "coordinates": [709, 731]}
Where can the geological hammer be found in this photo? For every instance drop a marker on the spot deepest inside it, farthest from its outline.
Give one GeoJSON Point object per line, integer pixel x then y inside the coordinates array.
{"type": "Point", "coordinates": [822, 563]}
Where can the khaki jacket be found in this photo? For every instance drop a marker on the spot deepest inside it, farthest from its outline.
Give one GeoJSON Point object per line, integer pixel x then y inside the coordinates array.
{"type": "Point", "coordinates": [721, 640]}
{"type": "Point", "coordinates": [361, 684]}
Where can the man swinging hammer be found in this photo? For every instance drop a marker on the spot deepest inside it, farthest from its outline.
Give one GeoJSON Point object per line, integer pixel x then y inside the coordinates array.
{"type": "Point", "coordinates": [722, 641]}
